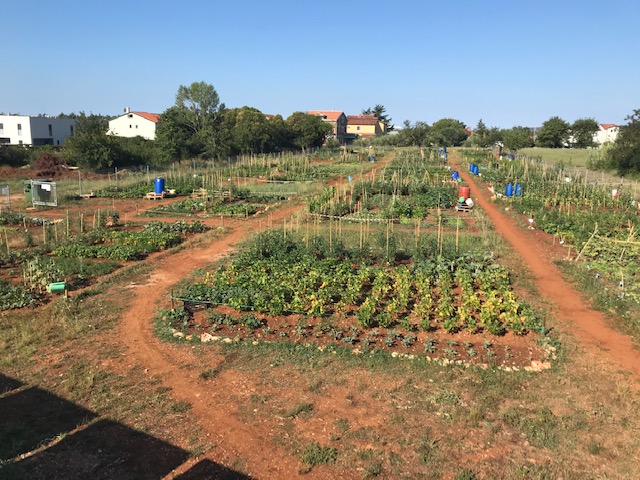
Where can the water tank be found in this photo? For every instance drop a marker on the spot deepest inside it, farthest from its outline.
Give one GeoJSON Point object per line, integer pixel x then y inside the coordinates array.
{"type": "Point", "coordinates": [158, 186]}
{"type": "Point", "coordinates": [509, 190]}
{"type": "Point", "coordinates": [464, 192]}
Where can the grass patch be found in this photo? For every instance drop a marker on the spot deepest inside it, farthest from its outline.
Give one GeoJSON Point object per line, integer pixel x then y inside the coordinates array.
{"type": "Point", "coordinates": [569, 156]}
{"type": "Point", "coordinates": [315, 454]}
{"type": "Point", "coordinates": [299, 410]}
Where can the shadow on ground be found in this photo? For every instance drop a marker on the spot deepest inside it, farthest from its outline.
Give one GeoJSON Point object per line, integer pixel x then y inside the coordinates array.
{"type": "Point", "coordinates": [43, 436]}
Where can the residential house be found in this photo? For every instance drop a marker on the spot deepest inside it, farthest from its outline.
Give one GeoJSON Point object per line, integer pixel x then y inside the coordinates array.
{"type": "Point", "coordinates": [135, 124]}
{"type": "Point", "coordinates": [338, 121]}
{"type": "Point", "coordinates": [364, 125]}
{"type": "Point", "coordinates": [34, 131]}
{"type": "Point", "coordinates": [607, 132]}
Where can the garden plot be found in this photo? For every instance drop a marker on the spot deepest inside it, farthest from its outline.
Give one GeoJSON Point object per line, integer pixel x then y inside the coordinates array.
{"type": "Point", "coordinates": [457, 309]}
{"type": "Point", "coordinates": [36, 253]}
{"type": "Point", "coordinates": [597, 225]}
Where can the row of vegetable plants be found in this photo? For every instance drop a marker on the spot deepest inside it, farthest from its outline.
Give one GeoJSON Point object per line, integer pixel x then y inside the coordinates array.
{"type": "Point", "coordinates": [276, 275]}
{"type": "Point", "coordinates": [185, 177]}
{"type": "Point", "coordinates": [597, 220]}
{"type": "Point", "coordinates": [80, 258]}
{"type": "Point", "coordinates": [407, 188]}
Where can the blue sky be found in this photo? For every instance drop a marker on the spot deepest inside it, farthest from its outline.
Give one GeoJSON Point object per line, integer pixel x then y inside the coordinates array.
{"type": "Point", "coordinates": [508, 62]}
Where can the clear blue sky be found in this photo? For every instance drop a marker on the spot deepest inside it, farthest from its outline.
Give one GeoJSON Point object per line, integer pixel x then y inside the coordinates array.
{"type": "Point", "coordinates": [508, 62]}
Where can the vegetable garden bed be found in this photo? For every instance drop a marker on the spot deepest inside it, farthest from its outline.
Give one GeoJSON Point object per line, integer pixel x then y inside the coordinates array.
{"type": "Point", "coordinates": [288, 288]}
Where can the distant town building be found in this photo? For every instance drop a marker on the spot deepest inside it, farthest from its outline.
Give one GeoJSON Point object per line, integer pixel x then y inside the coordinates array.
{"type": "Point", "coordinates": [135, 124]}
{"type": "Point", "coordinates": [34, 131]}
{"type": "Point", "coordinates": [364, 125]}
{"type": "Point", "coordinates": [607, 132]}
{"type": "Point", "coordinates": [337, 119]}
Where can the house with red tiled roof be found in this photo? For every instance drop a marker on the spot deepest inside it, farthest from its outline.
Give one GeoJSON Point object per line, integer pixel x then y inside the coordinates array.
{"type": "Point", "coordinates": [364, 125]}
{"type": "Point", "coordinates": [607, 133]}
{"type": "Point", "coordinates": [338, 121]}
{"type": "Point", "coordinates": [135, 124]}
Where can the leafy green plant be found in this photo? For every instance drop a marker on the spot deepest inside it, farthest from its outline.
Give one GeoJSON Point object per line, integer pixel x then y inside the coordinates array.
{"type": "Point", "coordinates": [314, 454]}
{"type": "Point", "coordinates": [430, 345]}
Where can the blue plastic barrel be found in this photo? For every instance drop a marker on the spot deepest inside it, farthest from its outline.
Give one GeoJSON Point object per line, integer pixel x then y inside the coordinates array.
{"type": "Point", "coordinates": [518, 190]}
{"type": "Point", "coordinates": [444, 149]}
{"type": "Point", "coordinates": [471, 167]}
{"type": "Point", "coordinates": [159, 186]}
{"type": "Point", "coordinates": [454, 176]}
{"type": "Point", "coordinates": [509, 190]}
{"type": "Point", "coordinates": [475, 169]}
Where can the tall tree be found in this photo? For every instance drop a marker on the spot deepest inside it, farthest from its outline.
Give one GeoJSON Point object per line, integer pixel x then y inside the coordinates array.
{"type": "Point", "coordinates": [90, 147]}
{"type": "Point", "coordinates": [416, 134]}
{"type": "Point", "coordinates": [516, 138]}
{"type": "Point", "coordinates": [625, 153]}
{"type": "Point", "coordinates": [448, 132]}
{"type": "Point", "coordinates": [198, 105]}
{"type": "Point", "coordinates": [480, 135]}
{"type": "Point", "coordinates": [308, 130]}
{"type": "Point", "coordinates": [174, 139]}
{"type": "Point", "coordinates": [191, 126]}
{"type": "Point", "coordinates": [380, 112]}
{"type": "Point", "coordinates": [251, 133]}
{"type": "Point", "coordinates": [553, 134]}
{"type": "Point", "coordinates": [582, 132]}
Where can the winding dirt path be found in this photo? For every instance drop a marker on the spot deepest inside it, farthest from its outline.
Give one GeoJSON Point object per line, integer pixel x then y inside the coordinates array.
{"type": "Point", "coordinates": [572, 313]}
{"type": "Point", "coordinates": [232, 438]}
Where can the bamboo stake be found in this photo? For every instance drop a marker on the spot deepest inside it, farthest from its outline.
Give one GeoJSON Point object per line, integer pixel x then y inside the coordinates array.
{"type": "Point", "coordinates": [587, 242]}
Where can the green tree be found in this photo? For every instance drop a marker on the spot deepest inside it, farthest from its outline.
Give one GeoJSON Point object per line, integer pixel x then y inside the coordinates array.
{"type": "Point", "coordinates": [191, 126]}
{"type": "Point", "coordinates": [494, 135]}
{"type": "Point", "coordinates": [480, 135]}
{"type": "Point", "coordinates": [416, 134]}
{"type": "Point", "coordinates": [625, 153]}
{"type": "Point", "coordinates": [197, 106]}
{"type": "Point", "coordinates": [90, 147]}
{"type": "Point", "coordinates": [280, 133]}
{"type": "Point", "coordinates": [553, 134]}
{"type": "Point", "coordinates": [380, 112]}
{"type": "Point", "coordinates": [174, 139]}
{"type": "Point", "coordinates": [307, 130]}
{"type": "Point", "coordinates": [448, 132]}
{"type": "Point", "coordinates": [516, 138]}
{"type": "Point", "coordinates": [583, 131]}
{"type": "Point", "coordinates": [252, 132]}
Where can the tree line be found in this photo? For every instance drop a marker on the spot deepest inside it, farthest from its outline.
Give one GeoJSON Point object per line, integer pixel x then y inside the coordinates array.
{"type": "Point", "coordinates": [198, 125]}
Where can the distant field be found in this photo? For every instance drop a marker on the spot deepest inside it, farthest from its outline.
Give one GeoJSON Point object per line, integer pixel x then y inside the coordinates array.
{"type": "Point", "coordinates": [570, 156]}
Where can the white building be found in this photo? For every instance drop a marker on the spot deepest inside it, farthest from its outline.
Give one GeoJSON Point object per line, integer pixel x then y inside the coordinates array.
{"type": "Point", "coordinates": [607, 132]}
{"type": "Point", "coordinates": [135, 124]}
{"type": "Point", "coordinates": [26, 130]}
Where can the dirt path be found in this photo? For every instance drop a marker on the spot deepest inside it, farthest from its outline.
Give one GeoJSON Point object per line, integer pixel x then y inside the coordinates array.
{"type": "Point", "coordinates": [214, 407]}
{"type": "Point", "coordinates": [571, 311]}
{"type": "Point", "coordinates": [232, 438]}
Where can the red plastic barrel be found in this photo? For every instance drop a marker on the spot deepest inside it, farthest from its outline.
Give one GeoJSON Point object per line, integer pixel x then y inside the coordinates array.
{"type": "Point", "coordinates": [464, 192]}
